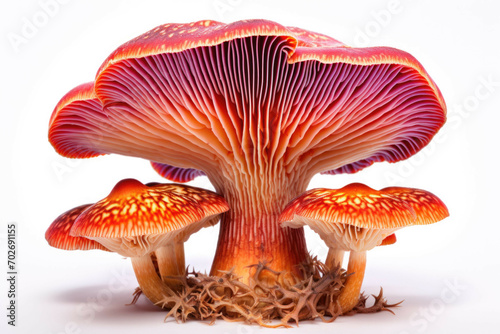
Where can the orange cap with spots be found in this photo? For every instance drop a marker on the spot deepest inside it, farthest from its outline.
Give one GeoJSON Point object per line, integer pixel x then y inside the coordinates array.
{"type": "Point", "coordinates": [135, 219]}
{"type": "Point", "coordinates": [357, 217]}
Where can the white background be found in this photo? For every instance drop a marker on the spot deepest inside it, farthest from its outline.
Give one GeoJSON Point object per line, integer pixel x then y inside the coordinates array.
{"type": "Point", "coordinates": [447, 273]}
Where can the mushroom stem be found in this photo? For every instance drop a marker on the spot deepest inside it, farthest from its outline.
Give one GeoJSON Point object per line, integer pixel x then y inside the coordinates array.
{"type": "Point", "coordinates": [181, 260]}
{"type": "Point", "coordinates": [349, 297]}
{"type": "Point", "coordinates": [250, 232]}
{"type": "Point", "coordinates": [149, 281]}
{"type": "Point", "coordinates": [334, 258]}
{"type": "Point", "coordinates": [245, 242]}
{"type": "Point", "coordinates": [168, 265]}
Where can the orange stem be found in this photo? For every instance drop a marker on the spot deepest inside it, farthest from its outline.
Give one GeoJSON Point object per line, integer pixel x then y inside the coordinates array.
{"type": "Point", "coordinates": [149, 281]}
{"type": "Point", "coordinates": [250, 232]}
{"type": "Point", "coordinates": [334, 258]}
{"type": "Point", "coordinates": [349, 297]}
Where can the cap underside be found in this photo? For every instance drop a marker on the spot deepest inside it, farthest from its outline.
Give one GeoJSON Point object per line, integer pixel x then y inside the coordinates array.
{"type": "Point", "coordinates": [247, 102]}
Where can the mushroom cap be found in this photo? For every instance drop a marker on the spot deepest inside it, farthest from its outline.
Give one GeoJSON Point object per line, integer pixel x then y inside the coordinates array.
{"type": "Point", "coordinates": [58, 233]}
{"type": "Point", "coordinates": [176, 174]}
{"type": "Point", "coordinates": [389, 240]}
{"type": "Point", "coordinates": [79, 113]}
{"type": "Point", "coordinates": [251, 93]}
{"type": "Point", "coordinates": [211, 203]}
{"type": "Point", "coordinates": [135, 219]}
{"type": "Point", "coordinates": [355, 204]}
{"type": "Point", "coordinates": [428, 207]}
{"type": "Point", "coordinates": [357, 217]}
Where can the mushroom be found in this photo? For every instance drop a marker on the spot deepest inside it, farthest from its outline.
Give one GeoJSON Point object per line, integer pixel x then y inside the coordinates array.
{"type": "Point", "coordinates": [258, 108]}
{"type": "Point", "coordinates": [58, 233]}
{"type": "Point", "coordinates": [356, 218]}
{"type": "Point", "coordinates": [135, 220]}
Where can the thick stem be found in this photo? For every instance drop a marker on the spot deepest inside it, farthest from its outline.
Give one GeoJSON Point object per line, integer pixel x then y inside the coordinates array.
{"type": "Point", "coordinates": [149, 281]}
{"type": "Point", "coordinates": [349, 297]}
{"type": "Point", "coordinates": [250, 232]}
{"type": "Point", "coordinates": [259, 240]}
{"type": "Point", "coordinates": [334, 258]}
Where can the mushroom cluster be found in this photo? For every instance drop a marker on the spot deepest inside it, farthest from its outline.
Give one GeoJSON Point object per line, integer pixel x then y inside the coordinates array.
{"type": "Point", "coordinates": [259, 109]}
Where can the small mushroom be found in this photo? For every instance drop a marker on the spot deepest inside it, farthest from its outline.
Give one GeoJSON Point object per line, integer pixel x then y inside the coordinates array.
{"type": "Point", "coordinates": [135, 220]}
{"type": "Point", "coordinates": [357, 218]}
{"type": "Point", "coordinates": [57, 235]}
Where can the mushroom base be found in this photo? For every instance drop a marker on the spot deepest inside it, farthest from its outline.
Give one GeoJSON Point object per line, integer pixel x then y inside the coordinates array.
{"type": "Point", "coordinates": [258, 302]}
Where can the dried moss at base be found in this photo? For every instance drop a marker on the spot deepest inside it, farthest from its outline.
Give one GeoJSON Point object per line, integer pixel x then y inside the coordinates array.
{"type": "Point", "coordinates": [209, 298]}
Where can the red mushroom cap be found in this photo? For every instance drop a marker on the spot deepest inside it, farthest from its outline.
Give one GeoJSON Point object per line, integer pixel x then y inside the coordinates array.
{"type": "Point", "coordinates": [427, 206]}
{"type": "Point", "coordinates": [80, 114]}
{"type": "Point", "coordinates": [58, 233]}
{"type": "Point", "coordinates": [355, 204]}
{"type": "Point", "coordinates": [203, 94]}
{"type": "Point", "coordinates": [135, 219]}
{"type": "Point", "coordinates": [357, 217]}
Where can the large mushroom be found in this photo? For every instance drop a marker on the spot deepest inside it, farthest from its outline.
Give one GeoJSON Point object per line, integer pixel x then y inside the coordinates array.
{"type": "Point", "coordinates": [257, 107]}
{"type": "Point", "coordinates": [356, 218]}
